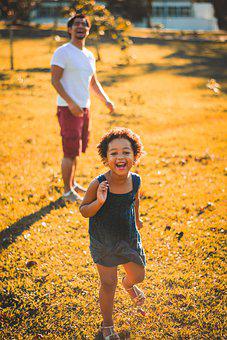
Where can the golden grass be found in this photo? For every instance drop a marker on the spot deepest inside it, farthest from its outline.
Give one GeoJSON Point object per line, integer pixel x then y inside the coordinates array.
{"type": "Point", "coordinates": [49, 283]}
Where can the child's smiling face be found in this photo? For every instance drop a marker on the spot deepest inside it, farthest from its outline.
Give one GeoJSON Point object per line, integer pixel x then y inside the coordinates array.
{"type": "Point", "coordinates": [120, 156]}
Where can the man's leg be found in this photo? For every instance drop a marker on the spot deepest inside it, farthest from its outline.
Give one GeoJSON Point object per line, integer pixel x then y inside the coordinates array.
{"type": "Point", "coordinates": [67, 167]}
{"type": "Point", "coordinates": [71, 132]}
{"type": "Point", "coordinates": [84, 135]}
{"type": "Point", "coordinates": [76, 186]}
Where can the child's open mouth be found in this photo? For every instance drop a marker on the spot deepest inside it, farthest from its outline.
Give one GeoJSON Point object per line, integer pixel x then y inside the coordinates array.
{"type": "Point", "coordinates": [121, 166]}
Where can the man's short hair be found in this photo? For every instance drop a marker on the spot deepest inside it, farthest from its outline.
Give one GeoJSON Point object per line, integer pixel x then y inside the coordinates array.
{"type": "Point", "coordinates": [78, 16]}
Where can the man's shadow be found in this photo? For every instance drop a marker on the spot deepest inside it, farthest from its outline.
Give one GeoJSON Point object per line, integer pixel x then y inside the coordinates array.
{"type": "Point", "coordinates": [10, 234]}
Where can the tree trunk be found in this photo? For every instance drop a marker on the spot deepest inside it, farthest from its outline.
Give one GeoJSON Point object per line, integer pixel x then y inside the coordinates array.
{"type": "Point", "coordinates": [220, 12]}
{"type": "Point", "coordinates": [149, 12]}
{"type": "Point", "coordinates": [97, 51]}
{"type": "Point", "coordinates": [11, 47]}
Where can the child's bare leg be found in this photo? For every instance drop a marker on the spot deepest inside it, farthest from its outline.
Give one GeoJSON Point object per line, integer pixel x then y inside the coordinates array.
{"type": "Point", "coordinates": [134, 274]}
{"type": "Point", "coordinates": [108, 280]}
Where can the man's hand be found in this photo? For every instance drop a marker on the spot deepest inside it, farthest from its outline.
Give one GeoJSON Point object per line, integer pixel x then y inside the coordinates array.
{"type": "Point", "coordinates": [110, 106]}
{"type": "Point", "coordinates": [139, 224]}
{"type": "Point", "coordinates": [75, 109]}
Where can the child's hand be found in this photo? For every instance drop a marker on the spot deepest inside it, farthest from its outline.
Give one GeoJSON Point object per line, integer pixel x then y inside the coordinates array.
{"type": "Point", "coordinates": [139, 224]}
{"type": "Point", "coordinates": [102, 192]}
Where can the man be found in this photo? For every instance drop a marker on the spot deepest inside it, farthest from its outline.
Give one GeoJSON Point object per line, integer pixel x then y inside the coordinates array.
{"type": "Point", "coordinates": [73, 73]}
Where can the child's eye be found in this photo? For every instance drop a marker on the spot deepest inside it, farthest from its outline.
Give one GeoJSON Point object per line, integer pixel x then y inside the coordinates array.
{"type": "Point", "coordinates": [113, 153]}
{"type": "Point", "coordinates": [126, 153]}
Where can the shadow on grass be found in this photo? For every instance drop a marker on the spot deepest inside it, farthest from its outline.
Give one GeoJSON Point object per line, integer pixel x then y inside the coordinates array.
{"type": "Point", "coordinates": [121, 77]}
{"type": "Point", "coordinates": [201, 60]}
{"type": "Point", "coordinates": [205, 60]}
{"type": "Point", "coordinates": [4, 76]}
{"type": "Point", "coordinates": [34, 69]}
{"type": "Point", "coordinates": [116, 79]}
{"type": "Point", "coordinates": [10, 234]}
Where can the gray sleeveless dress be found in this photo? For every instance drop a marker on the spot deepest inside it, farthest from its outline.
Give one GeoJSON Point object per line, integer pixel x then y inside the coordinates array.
{"type": "Point", "coordinates": [114, 237]}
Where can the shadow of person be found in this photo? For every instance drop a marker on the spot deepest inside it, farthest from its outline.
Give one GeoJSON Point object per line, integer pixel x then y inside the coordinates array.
{"type": "Point", "coordinates": [10, 234]}
{"type": "Point", "coordinates": [35, 69]}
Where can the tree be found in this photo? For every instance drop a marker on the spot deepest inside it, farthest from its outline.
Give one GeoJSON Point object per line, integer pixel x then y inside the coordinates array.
{"type": "Point", "coordinates": [11, 11]}
{"type": "Point", "coordinates": [103, 23]}
{"type": "Point", "coordinates": [149, 13]}
{"type": "Point", "coordinates": [220, 12]}
{"type": "Point", "coordinates": [17, 11]}
{"type": "Point", "coordinates": [14, 12]}
{"type": "Point", "coordinates": [133, 10]}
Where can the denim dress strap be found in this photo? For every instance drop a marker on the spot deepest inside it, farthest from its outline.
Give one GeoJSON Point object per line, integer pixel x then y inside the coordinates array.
{"type": "Point", "coordinates": [136, 181]}
{"type": "Point", "coordinates": [101, 178]}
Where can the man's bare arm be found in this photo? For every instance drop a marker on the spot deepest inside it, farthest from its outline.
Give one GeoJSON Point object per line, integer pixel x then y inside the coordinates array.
{"type": "Point", "coordinates": [100, 93]}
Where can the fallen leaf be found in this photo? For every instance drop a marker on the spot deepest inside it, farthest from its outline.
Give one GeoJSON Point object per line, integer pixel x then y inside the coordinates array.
{"type": "Point", "coordinates": [30, 264]}
{"type": "Point", "coordinates": [179, 235]}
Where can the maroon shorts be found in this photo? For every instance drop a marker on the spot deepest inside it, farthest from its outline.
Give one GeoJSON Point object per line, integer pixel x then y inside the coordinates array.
{"type": "Point", "coordinates": [74, 131]}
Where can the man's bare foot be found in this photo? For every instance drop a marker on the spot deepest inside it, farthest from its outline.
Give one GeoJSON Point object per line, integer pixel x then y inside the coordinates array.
{"type": "Point", "coordinates": [78, 188]}
{"type": "Point", "coordinates": [72, 196]}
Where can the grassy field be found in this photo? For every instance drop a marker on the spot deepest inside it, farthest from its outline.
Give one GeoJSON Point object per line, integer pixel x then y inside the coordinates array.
{"type": "Point", "coordinates": [49, 286]}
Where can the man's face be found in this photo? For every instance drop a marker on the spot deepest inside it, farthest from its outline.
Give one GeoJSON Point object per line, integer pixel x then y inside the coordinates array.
{"type": "Point", "coordinates": [79, 29]}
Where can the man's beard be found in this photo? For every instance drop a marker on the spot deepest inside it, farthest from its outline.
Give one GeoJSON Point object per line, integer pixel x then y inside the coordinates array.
{"type": "Point", "coordinates": [80, 37]}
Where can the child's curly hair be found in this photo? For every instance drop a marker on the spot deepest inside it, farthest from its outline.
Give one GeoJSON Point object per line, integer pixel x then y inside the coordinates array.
{"type": "Point", "coordinates": [120, 132]}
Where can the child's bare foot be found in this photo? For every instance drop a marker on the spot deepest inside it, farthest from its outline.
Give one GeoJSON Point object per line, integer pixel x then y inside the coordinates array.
{"type": "Point", "coordinates": [136, 295]}
{"type": "Point", "coordinates": [108, 333]}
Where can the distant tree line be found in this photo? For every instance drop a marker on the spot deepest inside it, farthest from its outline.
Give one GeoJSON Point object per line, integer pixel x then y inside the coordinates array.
{"type": "Point", "coordinates": [18, 11]}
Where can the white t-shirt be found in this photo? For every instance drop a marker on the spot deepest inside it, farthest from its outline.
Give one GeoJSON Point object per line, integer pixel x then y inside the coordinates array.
{"type": "Point", "coordinates": [79, 67]}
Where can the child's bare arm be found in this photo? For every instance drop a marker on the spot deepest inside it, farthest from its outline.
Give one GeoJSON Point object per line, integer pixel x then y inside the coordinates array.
{"type": "Point", "coordinates": [139, 222]}
{"type": "Point", "coordinates": [94, 198]}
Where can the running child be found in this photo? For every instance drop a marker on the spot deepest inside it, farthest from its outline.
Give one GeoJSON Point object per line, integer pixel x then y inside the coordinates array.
{"type": "Point", "coordinates": [112, 205]}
